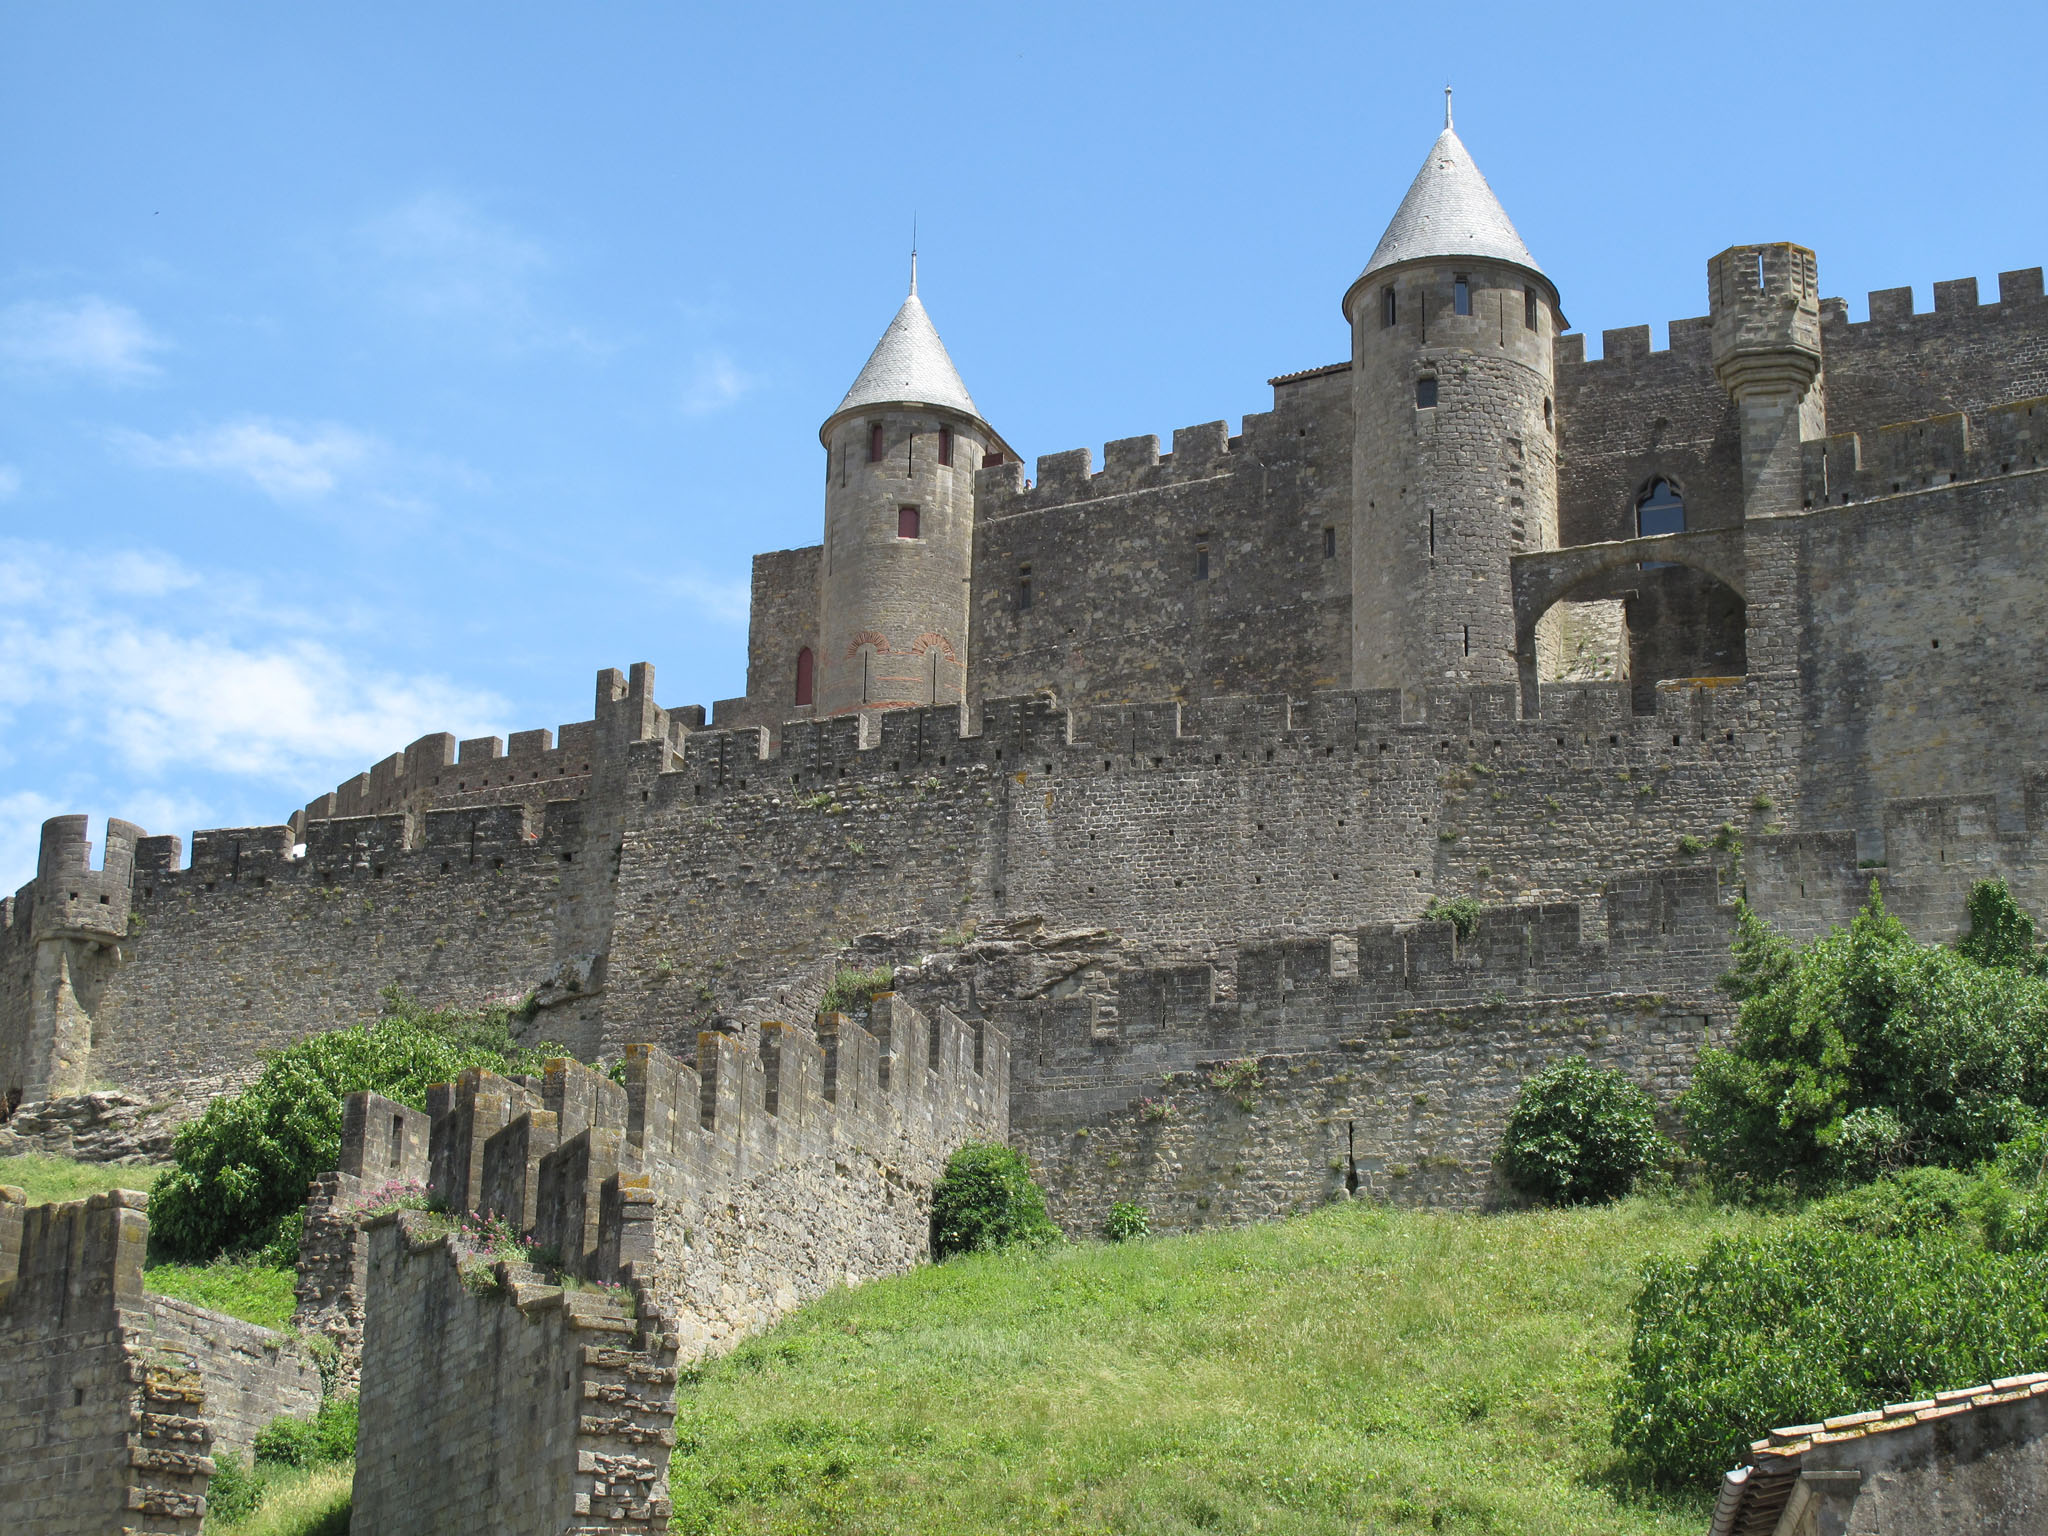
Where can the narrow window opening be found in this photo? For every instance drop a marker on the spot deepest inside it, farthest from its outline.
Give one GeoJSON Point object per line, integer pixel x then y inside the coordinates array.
{"type": "Point", "coordinates": [875, 443]}
{"type": "Point", "coordinates": [946, 446]}
{"type": "Point", "coordinates": [1201, 562]}
{"type": "Point", "coordinates": [1023, 587]}
{"type": "Point", "coordinates": [1529, 308]}
{"type": "Point", "coordinates": [1432, 532]}
{"type": "Point", "coordinates": [805, 663]}
{"type": "Point", "coordinates": [1468, 639]}
{"type": "Point", "coordinates": [1330, 543]}
{"type": "Point", "coordinates": [1425, 393]}
{"type": "Point", "coordinates": [397, 1140]}
{"type": "Point", "coordinates": [1759, 271]}
{"type": "Point", "coordinates": [1389, 306]}
{"type": "Point", "coordinates": [1547, 426]}
{"type": "Point", "coordinates": [1461, 295]}
{"type": "Point", "coordinates": [906, 522]}
{"type": "Point", "coordinates": [1659, 510]}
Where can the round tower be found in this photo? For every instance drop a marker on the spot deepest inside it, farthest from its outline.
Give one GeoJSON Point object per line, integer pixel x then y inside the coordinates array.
{"type": "Point", "coordinates": [1454, 462]}
{"type": "Point", "coordinates": [900, 455]}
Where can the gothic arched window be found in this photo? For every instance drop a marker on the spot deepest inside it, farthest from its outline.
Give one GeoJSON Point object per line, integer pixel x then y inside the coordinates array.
{"type": "Point", "coordinates": [803, 675]}
{"type": "Point", "coordinates": [1660, 509]}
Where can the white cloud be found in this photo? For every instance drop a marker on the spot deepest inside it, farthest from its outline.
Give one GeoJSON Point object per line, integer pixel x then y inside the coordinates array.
{"type": "Point", "coordinates": [88, 336]}
{"type": "Point", "coordinates": [715, 382]}
{"type": "Point", "coordinates": [161, 688]}
{"type": "Point", "coordinates": [285, 461]}
{"type": "Point", "coordinates": [725, 601]}
{"type": "Point", "coordinates": [22, 815]}
{"type": "Point", "coordinates": [10, 482]}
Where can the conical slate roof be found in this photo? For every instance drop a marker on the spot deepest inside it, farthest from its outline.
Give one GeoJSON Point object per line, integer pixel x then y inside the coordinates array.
{"type": "Point", "coordinates": [909, 366]}
{"type": "Point", "coordinates": [1450, 211]}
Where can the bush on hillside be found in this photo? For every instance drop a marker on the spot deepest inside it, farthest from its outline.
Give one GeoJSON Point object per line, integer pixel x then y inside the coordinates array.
{"type": "Point", "coordinates": [1580, 1134]}
{"type": "Point", "coordinates": [243, 1166]}
{"type": "Point", "coordinates": [1126, 1220]}
{"type": "Point", "coordinates": [987, 1199]}
{"type": "Point", "coordinates": [1817, 1320]}
{"type": "Point", "coordinates": [1864, 1051]}
{"type": "Point", "coordinates": [329, 1436]}
{"type": "Point", "coordinates": [234, 1490]}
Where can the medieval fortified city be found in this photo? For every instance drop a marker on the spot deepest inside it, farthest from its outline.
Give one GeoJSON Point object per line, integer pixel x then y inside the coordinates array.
{"type": "Point", "coordinates": [1234, 828]}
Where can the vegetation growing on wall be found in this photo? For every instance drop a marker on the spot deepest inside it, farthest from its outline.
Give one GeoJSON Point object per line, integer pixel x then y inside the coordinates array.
{"type": "Point", "coordinates": [243, 1166]}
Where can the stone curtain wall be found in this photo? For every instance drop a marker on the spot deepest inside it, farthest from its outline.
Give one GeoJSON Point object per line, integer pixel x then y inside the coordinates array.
{"type": "Point", "coordinates": [721, 1195]}
{"type": "Point", "coordinates": [224, 963]}
{"type": "Point", "coordinates": [1922, 625]}
{"type": "Point", "coordinates": [499, 1402]}
{"type": "Point", "coordinates": [1386, 1058]}
{"type": "Point", "coordinates": [116, 1401]}
{"type": "Point", "coordinates": [1117, 610]}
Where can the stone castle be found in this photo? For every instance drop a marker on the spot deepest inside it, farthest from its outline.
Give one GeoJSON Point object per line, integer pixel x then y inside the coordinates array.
{"type": "Point", "coordinates": [1149, 782]}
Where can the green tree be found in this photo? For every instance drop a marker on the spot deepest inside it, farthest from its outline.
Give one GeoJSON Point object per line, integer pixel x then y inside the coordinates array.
{"type": "Point", "coordinates": [244, 1164]}
{"type": "Point", "coordinates": [1579, 1134]}
{"type": "Point", "coordinates": [987, 1199]}
{"type": "Point", "coordinates": [1864, 1050]}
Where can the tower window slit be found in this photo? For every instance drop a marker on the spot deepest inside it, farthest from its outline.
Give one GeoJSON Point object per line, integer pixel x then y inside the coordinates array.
{"type": "Point", "coordinates": [1389, 306]}
{"type": "Point", "coordinates": [906, 522]}
{"type": "Point", "coordinates": [1330, 543]}
{"type": "Point", "coordinates": [875, 443]}
{"type": "Point", "coordinates": [1023, 587]}
{"type": "Point", "coordinates": [946, 446]}
{"type": "Point", "coordinates": [1468, 639]}
{"type": "Point", "coordinates": [1529, 308]}
{"type": "Point", "coordinates": [1461, 295]}
{"type": "Point", "coordinates": [1425, 393]}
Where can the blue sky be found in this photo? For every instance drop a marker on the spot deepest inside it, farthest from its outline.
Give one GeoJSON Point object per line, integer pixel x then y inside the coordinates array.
{"type": "Point", "coordinates": [379, 369]}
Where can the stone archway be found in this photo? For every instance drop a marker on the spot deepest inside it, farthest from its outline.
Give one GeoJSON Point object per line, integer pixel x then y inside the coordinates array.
{"type": "Point", "coordinates": [1545, 577]}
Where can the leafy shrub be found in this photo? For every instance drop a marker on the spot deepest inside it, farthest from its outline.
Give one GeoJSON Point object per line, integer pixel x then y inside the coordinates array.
{"type": "Point", "coordinates": [2001, 931]}
{"type": "Point", "coordinates": [853, 990]}
{"type": "Point", "coordinates": [243, 1166]}
{"type": "Point", "coordinates": [987, 1199]}
{"type": "Point", "coordinates": [1910, 1203]}
{"type": "Point", "coordinates": [233, 1492]}
{"type": "Point", "coordinates": [329, 1436]}
{"type": "Point", "coordinates": [1126, 1220]}
{"type": "Point", "coordinates": [1579, 1134]}
{"type": "Point", "coordinates": [1815, 1321]}
{"type": "Point", "coordinates": [1864, 1050]}
{"type": "Point", "coordinates": [1461, 912]}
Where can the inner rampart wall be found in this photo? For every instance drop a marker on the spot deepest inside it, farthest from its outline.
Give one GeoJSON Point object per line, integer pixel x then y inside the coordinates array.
{"type": "Point", "coordinates": [1222, 566]}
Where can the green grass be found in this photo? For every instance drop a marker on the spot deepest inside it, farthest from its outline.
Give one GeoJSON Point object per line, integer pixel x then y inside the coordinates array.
{"type": "Point", "coordinates": [257, 1293]}
{"type": "Point", "coordinates": [314, 1502]}
{"type": "Point", "coordinates": [49, 1178]}
{"type": "Point", "coordinates": [1354, 1370]}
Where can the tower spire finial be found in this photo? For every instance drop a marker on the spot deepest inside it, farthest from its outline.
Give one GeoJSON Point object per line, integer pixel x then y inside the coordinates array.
{"type": "Point", "coordinates": [913, 255]}
{"type": "Point", "coordinates": [1447, 104]}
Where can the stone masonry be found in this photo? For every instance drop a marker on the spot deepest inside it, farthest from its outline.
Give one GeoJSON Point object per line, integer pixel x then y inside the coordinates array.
{"type": "Point", "coordinates": [118, 1400]}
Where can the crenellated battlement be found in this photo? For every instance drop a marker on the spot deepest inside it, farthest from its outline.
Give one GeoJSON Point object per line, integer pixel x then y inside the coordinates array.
{"type": "Point", "coordinates": [1929, 853]}
{"type": "Point", "coordinates": [1018, 733]}
{"type": "Point", "coordinates": [529, 766]}
{"type": "Point", "coordinates": [1954, 299]}
{"type": "Point", "coordinates": [68, 898]}
{"type": "Point", "coordinates": [1691, 339]}
{"type": "Point", "coordinates": [1915, 456]}
{"type": "Point", "coordinates": [1135, 465]}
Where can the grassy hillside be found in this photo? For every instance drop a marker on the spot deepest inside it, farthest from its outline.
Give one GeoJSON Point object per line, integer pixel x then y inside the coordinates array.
{"type": "Point", "coordinates": [49, 1178]}
{"type": "Point", "coordinates": [1357, 1369]}
{"type": "Point", "coordinates": [258, 1293]}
